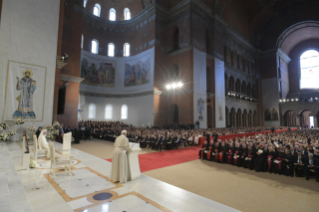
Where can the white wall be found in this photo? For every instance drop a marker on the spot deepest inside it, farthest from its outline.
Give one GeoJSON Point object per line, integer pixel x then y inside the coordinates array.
{"type": "Point", "coordinates": [140, 109]}
{"type": "Point", "coordinates": [29, 34]}
{"type": "Point", "coordinates": [200, 87]}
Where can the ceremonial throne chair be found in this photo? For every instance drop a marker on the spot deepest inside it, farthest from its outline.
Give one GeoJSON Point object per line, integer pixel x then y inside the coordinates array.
{"type": "Point", "coordinates": [64, 163]}
{"type": "Point", "coordinates": [67, 139]}
{"type": "Point", "coordinates": [36, 148]}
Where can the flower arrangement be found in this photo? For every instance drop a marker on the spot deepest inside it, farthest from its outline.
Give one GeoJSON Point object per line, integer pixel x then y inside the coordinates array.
{"type": "Point", "coordinates": [12, 132]}
{"type": "Point", "coordinates": [4, 126]}
{"type": "Point", "coordinates": [49, 136]}
{"type": "Point", "coordinates": [49, 128]}
{"type": "Point", "coordinates": [19, 121]}
{"type": "Point", "coordinates": [56, 125]}
{"type": "Point", "coordinates": [1, 129]}
{"type": "Point", "coordinates": [32, 128]}
{"type": "Point", "coordinates": [4, 136]}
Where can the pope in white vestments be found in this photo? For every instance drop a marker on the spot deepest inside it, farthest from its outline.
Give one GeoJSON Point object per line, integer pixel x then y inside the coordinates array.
{"type": "Point", "coordinates": [42, 142]}
{"type": "Point", "coordinates": [120, 169]}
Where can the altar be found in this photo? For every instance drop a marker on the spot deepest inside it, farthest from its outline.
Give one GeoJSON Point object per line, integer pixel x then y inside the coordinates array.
{"type": "Point", "coordinates": [134, 165]}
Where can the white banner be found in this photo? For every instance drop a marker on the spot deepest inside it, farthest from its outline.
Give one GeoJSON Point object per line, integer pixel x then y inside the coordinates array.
{"type": "Point", "coordinates": [220, 117]}
{"type": "Point", "coordinates": [200, 96]}
{"type": "Point", "coordinates": [25, 89]}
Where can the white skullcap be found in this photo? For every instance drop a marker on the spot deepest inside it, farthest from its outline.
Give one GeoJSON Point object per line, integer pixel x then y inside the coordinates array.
{"type": "Point", "coordinates": [123, 132]}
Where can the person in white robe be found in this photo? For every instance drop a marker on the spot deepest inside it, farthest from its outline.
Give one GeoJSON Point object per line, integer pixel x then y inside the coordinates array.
{"type": "Point", "coordinates": [120, 169]}
{"type": "Point", "coordinates": [42, 142]}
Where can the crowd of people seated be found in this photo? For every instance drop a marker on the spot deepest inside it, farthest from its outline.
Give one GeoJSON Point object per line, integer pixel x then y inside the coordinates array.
{"type": "Point", "coordinates": [285, 153]}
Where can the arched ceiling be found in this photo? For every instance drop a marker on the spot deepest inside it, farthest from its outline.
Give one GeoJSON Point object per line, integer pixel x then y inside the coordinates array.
{"type": "Point", "coordinates": [268, 19]}
{"type": "Point", "coordinates": [297, 34]}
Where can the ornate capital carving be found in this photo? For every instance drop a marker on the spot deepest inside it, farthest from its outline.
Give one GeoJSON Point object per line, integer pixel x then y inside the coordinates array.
{"type": "Point", "coordinates": [68, 78]}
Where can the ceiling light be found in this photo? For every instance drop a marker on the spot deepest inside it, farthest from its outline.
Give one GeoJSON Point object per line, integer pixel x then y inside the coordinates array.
{"type": "Point", "coordinates": [168, 86]}
{"type": "Point", "coordinates": [180, 84]}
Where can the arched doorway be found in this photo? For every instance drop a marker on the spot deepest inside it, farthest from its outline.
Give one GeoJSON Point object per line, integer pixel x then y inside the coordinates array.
{"type": "Point", "coordinates": [244, 118]}
{"type": "Point", "coordinates": [238, 118]}
{"type": "Point", "coordinates": [289, 118]}
{"type": "Point", "coordinates": [209, 116]}
{"type": "Point", "coordinates": [231, 84]}
{"type": "Point", "coordinates": [255, 119]}
{"type": "Point", "coordinates": [174, 113]}
{"type": "Point", "coordinates": [243, 88]}
{"type": "Point", "coordinates": [304, 118]}
{"type": "Point", "coordinates": [238, 86]}
{"type": "Point", "coordinates": [227, 116]}
{"type": "Point", "coordinates": [250, 115]}
{"type": "Point", "coordinates": [232, 118]}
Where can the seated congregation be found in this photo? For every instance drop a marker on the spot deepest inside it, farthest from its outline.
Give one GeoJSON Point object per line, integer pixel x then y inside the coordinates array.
{"type": "Point", "coordinates": [290, 153]}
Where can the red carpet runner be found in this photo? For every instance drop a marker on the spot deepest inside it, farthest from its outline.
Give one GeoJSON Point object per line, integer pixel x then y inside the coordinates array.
{"type": "Point", "coordinates": [156, 160]}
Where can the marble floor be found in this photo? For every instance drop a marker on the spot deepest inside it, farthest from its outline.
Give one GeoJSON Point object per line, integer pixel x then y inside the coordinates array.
{"type": "Point", "coordinates": [88, 189]}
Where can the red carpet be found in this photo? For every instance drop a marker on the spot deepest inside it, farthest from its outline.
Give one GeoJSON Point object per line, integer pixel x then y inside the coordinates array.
{"type": "Point", "coordinates": [156, 160]}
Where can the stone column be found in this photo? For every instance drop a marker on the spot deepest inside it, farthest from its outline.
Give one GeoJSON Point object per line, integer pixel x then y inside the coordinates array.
{"type": "Point", "coordinates": [298, 120]}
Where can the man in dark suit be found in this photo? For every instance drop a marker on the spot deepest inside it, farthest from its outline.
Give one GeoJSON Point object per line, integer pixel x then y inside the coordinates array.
{"type": "Point", "coordinates": [177, 141]}
{"type": "Point", "coordinates": [157, 142]}
{"type": "Point", "coordinates": [304, 152]}
{"type": "Point", "coordinates": [161, 143]}
{"type": "Point", "coordinates": [299, 161]}
{"type": "Point", "coordinates": [311, 164]}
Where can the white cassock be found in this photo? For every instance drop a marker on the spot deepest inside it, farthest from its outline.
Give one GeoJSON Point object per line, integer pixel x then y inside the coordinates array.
{"type": "Point", "coordinates": [43, 144]}
{"type": "Point", "coordinates": [120, 169]}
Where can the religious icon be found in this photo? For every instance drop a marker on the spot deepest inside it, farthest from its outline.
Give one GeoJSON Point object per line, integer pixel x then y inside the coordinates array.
{"type": "Point", "coordinates": [200, 108]}
{"type": "Point", "coordinates": [26, 86]}
{"type": "Point", "coordinates": [220, 109]}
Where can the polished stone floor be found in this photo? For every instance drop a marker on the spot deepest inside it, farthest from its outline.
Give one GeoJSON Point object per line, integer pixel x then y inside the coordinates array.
{"type": "Point", "coordinates": [88, 189]}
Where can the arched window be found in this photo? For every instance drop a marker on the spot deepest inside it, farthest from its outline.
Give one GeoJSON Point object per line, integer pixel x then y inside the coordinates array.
{"type": "Point", "coordinates": [97, 10]}
{"type": "Point", "coordinates": [126, 51]}
{"type": "Point", "coordinates": [124, 112]}
{"type": "Point", "coordinates": [82, 41]}
{"type": "Point", "coordinates": [92, 111]}
{"type": "Point", "coordinates": [112, 15]}
{"type": "Point", "coordinates": [108, 112]}
{"type": "Point", "coordinates": [95, 47]}
{"type": "Point", "coordinates": [127, 14]}
{"type": "Point", "coordinates": [309, 69]}
{"type": "Point", "coordinates": [111, 49]}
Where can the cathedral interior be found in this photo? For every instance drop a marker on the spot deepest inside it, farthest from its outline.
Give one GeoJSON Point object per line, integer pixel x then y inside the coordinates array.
{"type": "Point", "coordinates": [203, 64]}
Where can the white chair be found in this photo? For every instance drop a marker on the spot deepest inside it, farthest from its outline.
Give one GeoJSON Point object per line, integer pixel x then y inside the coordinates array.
{"type": "Point", "coordinates": [62, 163]}
{"type": "Point", "coordinates": [67, 139]}
{"type": "Point", "coordinates": [36, 148]}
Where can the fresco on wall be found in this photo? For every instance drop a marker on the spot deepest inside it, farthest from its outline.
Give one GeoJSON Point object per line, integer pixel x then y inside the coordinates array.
{"type": "Point", "coordinates": [271, 114]}
{"type": "Point", "coordinates": [97, 72]}
{"type": "Point", "coordinates": [23, 99]}
{"type": "Point", "coordinates": [137, 72]}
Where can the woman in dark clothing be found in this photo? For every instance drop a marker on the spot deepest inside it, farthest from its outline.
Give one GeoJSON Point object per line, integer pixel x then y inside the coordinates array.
{"type": "Point", "coordinates": [38, 132]}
